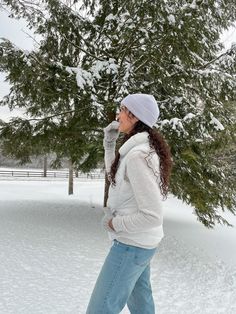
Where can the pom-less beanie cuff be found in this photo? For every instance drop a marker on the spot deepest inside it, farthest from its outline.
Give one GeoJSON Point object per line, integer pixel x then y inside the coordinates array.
{"type": "Point", "coordinates": [143, 106]}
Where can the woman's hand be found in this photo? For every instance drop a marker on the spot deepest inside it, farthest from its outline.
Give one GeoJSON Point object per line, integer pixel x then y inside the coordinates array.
{"type": "Point", "coordinates": [111, 225]}
{"type": "Point", "coordinates": [111, 132]}
{"type": "Point", "coordinates": [107, 221]}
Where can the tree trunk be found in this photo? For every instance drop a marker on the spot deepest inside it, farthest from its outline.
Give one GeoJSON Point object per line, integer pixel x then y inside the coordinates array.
{"type": "Point", "coordinates": [70, 189]}
{"type": "Point", "coordinates": [45, 166]}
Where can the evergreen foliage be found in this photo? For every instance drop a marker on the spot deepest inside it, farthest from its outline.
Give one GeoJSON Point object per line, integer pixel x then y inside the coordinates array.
{"type": "Point", "coordinates": [91, 56]}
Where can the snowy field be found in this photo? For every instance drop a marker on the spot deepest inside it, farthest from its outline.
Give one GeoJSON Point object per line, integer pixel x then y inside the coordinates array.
{"type": "Point", "coordinates": [52, 247]}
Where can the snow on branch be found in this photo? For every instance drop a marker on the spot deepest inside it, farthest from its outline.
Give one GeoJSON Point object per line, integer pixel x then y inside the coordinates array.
{"type": "Point", "coordinates": [88, 77]}
{"type": "Point", "coordinates": [216, 123]}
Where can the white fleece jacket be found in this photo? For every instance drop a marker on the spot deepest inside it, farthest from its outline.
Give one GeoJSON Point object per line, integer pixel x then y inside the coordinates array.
{"type": "Point", "coordinates": [135, 201]}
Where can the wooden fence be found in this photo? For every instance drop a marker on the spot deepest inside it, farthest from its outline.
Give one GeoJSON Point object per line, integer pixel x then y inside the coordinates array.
{"type": "Point", "coordinates": [50, 174]}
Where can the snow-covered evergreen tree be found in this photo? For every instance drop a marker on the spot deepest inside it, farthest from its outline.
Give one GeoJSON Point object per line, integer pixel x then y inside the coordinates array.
{"type": "Point", "coordinates": [91, 56]}
{"type": "Point", "coordinates": [44, 88]}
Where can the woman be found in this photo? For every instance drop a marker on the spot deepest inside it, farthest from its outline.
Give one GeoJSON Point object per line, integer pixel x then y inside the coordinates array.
{"type": "Point", "coordinates": [139, 174]}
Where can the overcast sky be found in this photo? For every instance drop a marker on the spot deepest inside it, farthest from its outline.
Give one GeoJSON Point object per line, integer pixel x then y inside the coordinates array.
{"type": "Point", "coordinates": [15, 30]}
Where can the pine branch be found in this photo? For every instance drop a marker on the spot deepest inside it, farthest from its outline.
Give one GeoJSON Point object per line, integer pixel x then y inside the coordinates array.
{"type": "Point", "coordinates": [30, 36]}
{"type": "Point", "coordinates": [28, 7]}
{"type": "Point", "coordinates": [128, 44]}
{"type": "Point", "coordinates": [76, 14]}
{"type": "Point", "coordinates": [79, 48]}
{"type": "Point", "coordinates": [141, 65]}
{"type": "Point", "coordinates": [214, 60]}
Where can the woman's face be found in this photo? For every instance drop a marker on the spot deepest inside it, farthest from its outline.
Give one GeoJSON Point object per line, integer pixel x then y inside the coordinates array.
{"type": "Point", "coordinates": [126, 120]}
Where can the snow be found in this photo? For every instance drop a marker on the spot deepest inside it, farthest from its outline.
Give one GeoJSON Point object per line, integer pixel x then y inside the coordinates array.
{"type": "Point", "coordinates": [189, 116]}
{"type": "Point", "coordinates": [171, 19]}
{"type": "Point", "coordinates": [216, 123]}
{"type": "Point", "coordinates": [52, 247]}
{"type": "Point", "coordinates": [111, 17]}
{"type": "Point", "coordinates": [175, 123]}
{"type": "Point", "coordinates": [83, 77]}
{"type": "Point", "coordinates": [178, 100]}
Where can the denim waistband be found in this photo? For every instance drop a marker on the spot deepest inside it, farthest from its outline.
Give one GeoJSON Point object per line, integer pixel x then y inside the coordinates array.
{"type": "Point", "coordinates": [118, 243]}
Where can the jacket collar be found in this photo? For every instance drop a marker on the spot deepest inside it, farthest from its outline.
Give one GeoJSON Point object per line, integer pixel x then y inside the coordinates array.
{"type": "Point", "coordinates": [138, 138]}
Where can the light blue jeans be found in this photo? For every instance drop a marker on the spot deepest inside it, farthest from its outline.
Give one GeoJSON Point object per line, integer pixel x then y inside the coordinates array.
{"type": "Point", "coordinates": [124, 279]}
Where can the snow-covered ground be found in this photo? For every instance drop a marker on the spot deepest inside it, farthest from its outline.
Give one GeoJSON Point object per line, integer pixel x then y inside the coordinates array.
{"type": "Point", "coordinates": [52, 248]}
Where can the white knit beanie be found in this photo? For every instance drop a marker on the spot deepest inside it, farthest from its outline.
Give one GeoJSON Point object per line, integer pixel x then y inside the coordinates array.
{"type": "Point", "coordinates": [143, 106]}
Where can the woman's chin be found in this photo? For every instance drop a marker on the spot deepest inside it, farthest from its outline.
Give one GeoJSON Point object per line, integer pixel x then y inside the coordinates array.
{"type": "Point", "coordinates": [121, 129]}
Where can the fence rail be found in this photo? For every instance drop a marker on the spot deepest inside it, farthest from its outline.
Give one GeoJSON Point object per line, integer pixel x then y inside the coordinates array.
{"type": "Point", "coordinates": [50, 174]}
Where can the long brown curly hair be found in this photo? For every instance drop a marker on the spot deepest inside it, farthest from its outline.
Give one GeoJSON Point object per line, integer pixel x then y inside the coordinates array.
{"type": "Point", "coordinates": [161, 147]}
